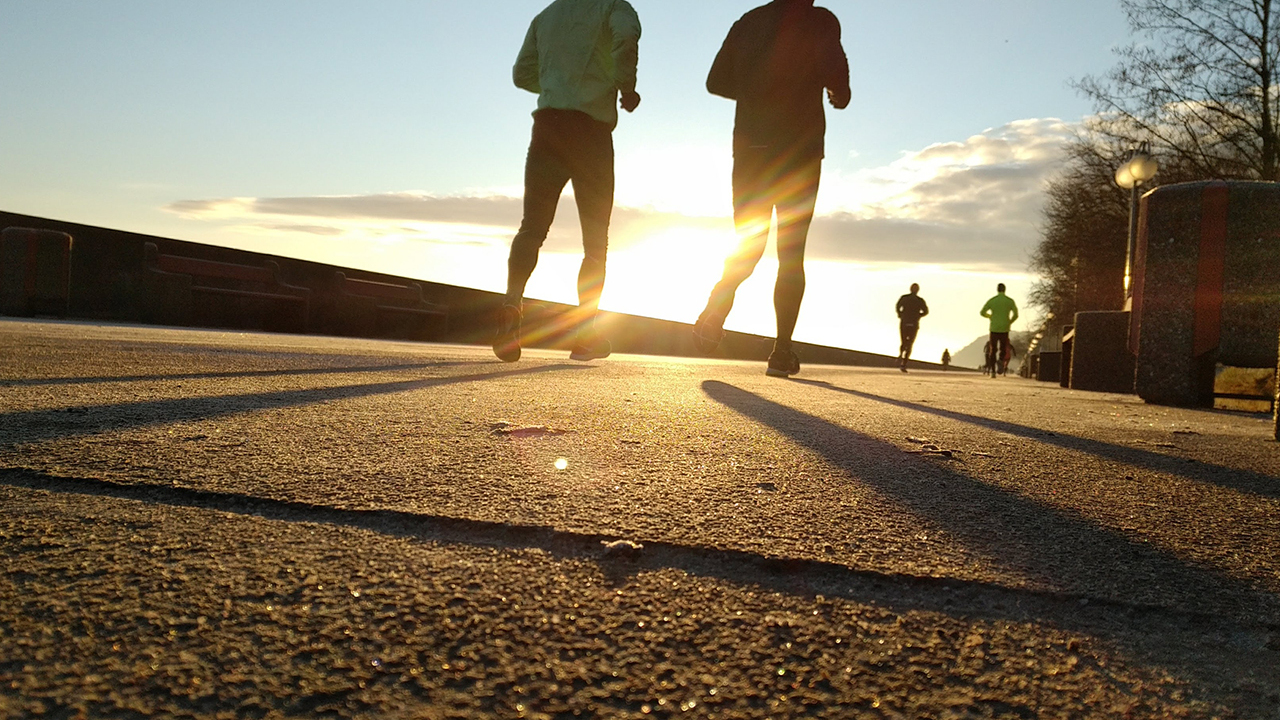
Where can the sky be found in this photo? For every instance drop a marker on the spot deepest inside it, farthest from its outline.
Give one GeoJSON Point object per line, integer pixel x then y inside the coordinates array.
{"type": "Point", "coordinates": [387, 135]}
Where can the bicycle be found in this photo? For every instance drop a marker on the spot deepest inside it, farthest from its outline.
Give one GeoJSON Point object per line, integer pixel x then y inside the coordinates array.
{"type": "Point", "coordinates": [990, 367]}
{"type": "Point", "coordinates": [989, 360]}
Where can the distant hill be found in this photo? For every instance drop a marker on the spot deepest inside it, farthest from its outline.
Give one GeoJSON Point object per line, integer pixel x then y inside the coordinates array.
{"type": "Point", "coordinates": [970, 356]}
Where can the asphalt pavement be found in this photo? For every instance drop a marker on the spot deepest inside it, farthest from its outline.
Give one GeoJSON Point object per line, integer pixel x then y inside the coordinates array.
{"type": "Point", "coordinates": [222, 525]}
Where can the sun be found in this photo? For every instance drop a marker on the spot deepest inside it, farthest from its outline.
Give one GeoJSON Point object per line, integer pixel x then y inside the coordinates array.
{"type": "Point", "coordinates": [668, 274]}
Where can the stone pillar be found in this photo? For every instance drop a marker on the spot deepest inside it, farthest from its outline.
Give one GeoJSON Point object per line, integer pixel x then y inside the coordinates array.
{"type": "Point", "coordinates": [35, 272]}
{"type": "Point", "coordinates": [1050, 367]}
{"type": "Point", "coordinates": [1205, 286]}
{"type": "Point", "coordinates": [1100, 357]}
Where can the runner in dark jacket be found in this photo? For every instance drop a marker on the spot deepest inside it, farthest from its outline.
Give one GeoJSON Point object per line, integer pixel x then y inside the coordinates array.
{"type": "Point", "coordinates": [911, 307]}
{"type": "Point", "coordinates": [776, 62]}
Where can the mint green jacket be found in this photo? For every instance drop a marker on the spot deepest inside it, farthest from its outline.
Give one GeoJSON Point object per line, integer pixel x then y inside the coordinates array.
{"type": "Point", "coordinates": [1002, 310]}
{"type": "Point", "coordinates": [578, 54]}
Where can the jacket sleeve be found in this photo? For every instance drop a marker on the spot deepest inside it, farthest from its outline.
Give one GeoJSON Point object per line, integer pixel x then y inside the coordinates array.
{"type": "Point", "coordinates": [1013, 305]}
{"type": "Point", "coordinates": [722, 80]}
{"type": "Point", "coordinates": [836, 65]}
{"type": "Point", "coordinates": [924, 307]}
{"type": "Point", "coordinates": [624, 26]}
{"type": "Point", "coordinates": [525, 73]}
{"type": "Point", "coordinates": [986, 310]}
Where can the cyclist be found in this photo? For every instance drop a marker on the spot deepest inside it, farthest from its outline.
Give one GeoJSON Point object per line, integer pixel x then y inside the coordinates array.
{"type": "Point", "coordinates": [1010, 352]}
{"type": "Point", "coordinates": [1002, 311]}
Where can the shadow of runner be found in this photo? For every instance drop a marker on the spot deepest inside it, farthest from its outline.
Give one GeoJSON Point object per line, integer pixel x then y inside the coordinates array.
{"type": "Point", "coordinates": [1052, 545]}
{"type": "Point", "coordinates": [42, 425]}
{"type": "Point", "coordinates": [797, 576]}
{"type": "Point", "coordinates": [1229, 478]}
{"type": "Point", "coordinates": [332, 370]}
{"type": "Point", "coordinates": [1196, 646]}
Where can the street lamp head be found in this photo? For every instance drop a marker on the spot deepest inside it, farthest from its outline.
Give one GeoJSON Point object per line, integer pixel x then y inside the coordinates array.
{"type": "Point", "coordinates": [1143, 167]}
{"type": "Point", "coordinates": [1137, 169]}
{"type": "Point", "coordinates": [1124, 177]}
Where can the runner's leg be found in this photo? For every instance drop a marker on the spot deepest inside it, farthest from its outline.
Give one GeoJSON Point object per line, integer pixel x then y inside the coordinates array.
{"type": "Point", "coordinates": [545, 175]}
{"type": "Point", "coordinates": [908, 340]}
{"type": "Point", "coordinates": [752, 213]}
{"type": "Point", "coordinates": [798, 194]}
{"type": "Point", "coordinates": [593, 183]}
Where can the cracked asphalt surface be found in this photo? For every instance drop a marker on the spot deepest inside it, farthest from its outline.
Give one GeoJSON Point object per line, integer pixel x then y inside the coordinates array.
{"type": "Point", "coordinates": [206, 524]}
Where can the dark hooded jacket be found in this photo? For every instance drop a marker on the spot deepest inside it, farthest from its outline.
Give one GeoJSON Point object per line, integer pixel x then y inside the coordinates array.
{"type": "Point", "coordinates": [776, 62]}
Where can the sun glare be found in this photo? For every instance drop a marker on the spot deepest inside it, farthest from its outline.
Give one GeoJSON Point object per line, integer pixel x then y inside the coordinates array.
{"type": "Point", "coordinates": [699, 185]}
{"type": "Point", "coordinates": [669, 274]}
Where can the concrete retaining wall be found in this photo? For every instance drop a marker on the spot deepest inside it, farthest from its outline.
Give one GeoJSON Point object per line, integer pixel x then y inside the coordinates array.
{"type": "Point", "coordinates": [106, 283]}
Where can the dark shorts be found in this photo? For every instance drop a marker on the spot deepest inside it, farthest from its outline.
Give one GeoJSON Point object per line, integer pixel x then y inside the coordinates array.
{"type": "Point", "coordinates": [1000, 341]}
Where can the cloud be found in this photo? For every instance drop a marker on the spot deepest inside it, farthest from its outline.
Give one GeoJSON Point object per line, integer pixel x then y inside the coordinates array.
{"type": "Point", "coordinates": [971, 204]}
{"type": "Point", "coordinates": [905, 241]}
{"type": "Point", "coordinates": [497, 211]}
{"type": "Point", "coordinates": [974, 203]}
{"type": "Point", "coordinates": [430, 218]}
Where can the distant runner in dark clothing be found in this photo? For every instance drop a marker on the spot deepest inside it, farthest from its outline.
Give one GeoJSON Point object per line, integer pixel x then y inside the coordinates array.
{"type": "Point", "coordinates": [776, 62]}
{"type": "Point", "coordinates": [911, 307]}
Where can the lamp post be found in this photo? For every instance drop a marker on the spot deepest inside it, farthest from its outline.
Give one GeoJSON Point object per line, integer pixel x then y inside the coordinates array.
{"type": "Point", "coordinates": [1138, 168]}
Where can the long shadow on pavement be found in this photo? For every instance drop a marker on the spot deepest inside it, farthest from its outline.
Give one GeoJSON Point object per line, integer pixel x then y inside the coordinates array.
{"type": "Point", "coordinates": [782, 574]}
{"type": "Point", "coordinates": [331, 370]}
{"type": "Point", "coordinates": [1050, 544]}
{"type": "Point", "coordinates": [1230, 478]}
{"type": "Point", "coordinates": [42, 425]}
{"type": "Point", "coordinates": [1158, 636]}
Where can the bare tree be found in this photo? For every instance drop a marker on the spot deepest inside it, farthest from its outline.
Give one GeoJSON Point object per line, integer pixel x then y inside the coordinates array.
{"type": "Point", "coordinates": [1201, 87]}
{"type": "Point", "coordinates": [1080, 258]}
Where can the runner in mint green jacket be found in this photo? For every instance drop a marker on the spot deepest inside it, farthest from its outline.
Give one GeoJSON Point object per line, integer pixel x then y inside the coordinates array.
{"type": "Point", "coordinates": [580, 57]}
{"type": "Point", "coordinates": [1003, 311]}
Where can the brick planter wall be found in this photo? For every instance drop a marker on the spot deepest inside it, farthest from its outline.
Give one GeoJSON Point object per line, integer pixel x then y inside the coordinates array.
{"type": "Point", "coordinates": [1206, 286]}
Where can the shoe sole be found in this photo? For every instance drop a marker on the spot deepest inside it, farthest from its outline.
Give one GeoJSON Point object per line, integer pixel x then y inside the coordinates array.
{"type": "Point", "coordinates": [506, 354]}
{"type": "Point", "coordinates": [772, 372]}
{"type": "Point", "coordinates": [604, 350]}
{"type": "Point", "coordinates": [506, 345]}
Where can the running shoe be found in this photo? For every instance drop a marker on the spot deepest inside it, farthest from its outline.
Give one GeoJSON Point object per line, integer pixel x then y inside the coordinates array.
{"type": "Point", "coordinates": [783, 363]}
{"type": "Point", "coordinates": [707, 333]}
{"type": "Point", "coordinates": [590, 347]}
{"type": "Point", "coordinates": [506, 340]}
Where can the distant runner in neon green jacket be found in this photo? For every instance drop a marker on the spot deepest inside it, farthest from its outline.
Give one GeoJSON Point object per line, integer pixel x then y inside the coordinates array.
{"type": "Point", "coordinates": [1003, 311]}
